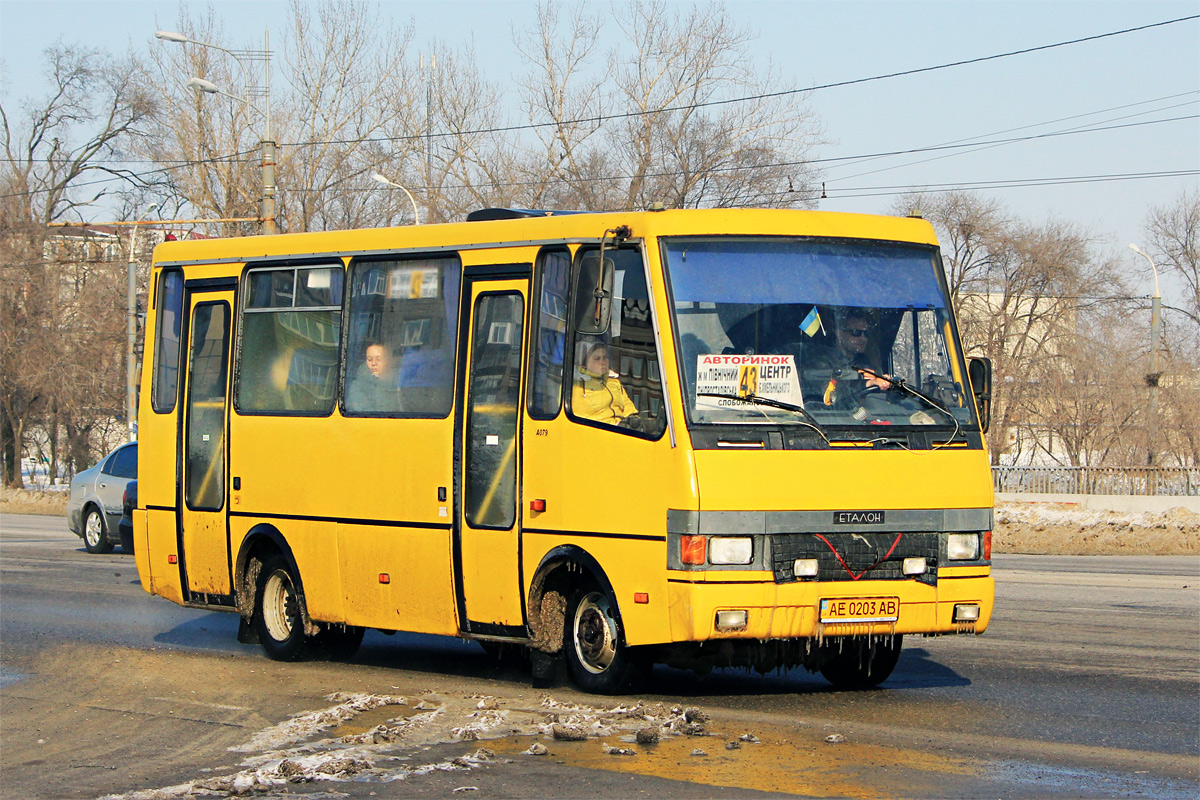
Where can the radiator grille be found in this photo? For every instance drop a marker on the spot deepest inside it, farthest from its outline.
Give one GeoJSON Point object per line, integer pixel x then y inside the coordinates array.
{"type": "Point", "coordinates": [866, 555]}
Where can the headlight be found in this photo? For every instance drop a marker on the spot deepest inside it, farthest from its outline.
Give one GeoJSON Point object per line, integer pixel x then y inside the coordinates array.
{"type": "Point", "coordinates": [962, 546]}
{"type": "Point", "coordinates": [730, 550]}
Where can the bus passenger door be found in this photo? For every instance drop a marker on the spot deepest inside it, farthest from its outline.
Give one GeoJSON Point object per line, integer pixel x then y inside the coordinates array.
{"type": "Point", "coordinates": [203, 532]}
{"type": "Point", "coordinates": [487, 541]}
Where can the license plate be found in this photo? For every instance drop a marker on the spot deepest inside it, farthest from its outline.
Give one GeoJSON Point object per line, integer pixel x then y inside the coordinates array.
{"type": "Point", "coordinates": [860, 609]}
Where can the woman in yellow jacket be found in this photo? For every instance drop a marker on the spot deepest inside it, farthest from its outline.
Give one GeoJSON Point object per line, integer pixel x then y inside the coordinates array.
{"type": "Point", "coordinates": [597, 392]}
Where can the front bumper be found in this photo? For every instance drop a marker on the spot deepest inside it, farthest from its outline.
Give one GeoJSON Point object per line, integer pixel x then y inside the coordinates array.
{"type": "Point", "coordinates": [792, 610]}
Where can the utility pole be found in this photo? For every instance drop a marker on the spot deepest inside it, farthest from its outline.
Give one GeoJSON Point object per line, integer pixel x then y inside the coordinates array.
{"type": "Point", "coordinates": [131, 330]}
{"type": "Point", "coordinates": [1155, 374]}
{"type": "Point", "coordinates": [429, 208]}
{"type": "Point", "coordinates": [268, 145]}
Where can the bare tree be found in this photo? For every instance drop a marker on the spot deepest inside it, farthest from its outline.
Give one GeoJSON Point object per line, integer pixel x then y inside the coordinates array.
{"type": "Point", "coordinates": [1031, 298]}
{"type": "Point", "coordinates": [52, 147]}
{"type": "Point", "coordinates": [348, 83]}
{"type": "Point", "coordinates": [674, 140]}
{"type": "Point", "coordinates": [1173, 233]}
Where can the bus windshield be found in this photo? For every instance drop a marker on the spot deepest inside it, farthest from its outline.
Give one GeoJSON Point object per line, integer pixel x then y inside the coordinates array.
{"type": "Point", "coordinates": [852, 333]}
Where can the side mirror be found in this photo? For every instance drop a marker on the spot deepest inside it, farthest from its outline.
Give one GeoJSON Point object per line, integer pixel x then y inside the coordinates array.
{"type": "Point", "coordinates": [979, 371]}
{"type": "Point", "coordinates": [593, 294]}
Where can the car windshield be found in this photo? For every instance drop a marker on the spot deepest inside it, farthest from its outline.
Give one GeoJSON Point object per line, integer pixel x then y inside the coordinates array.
{"type": "Point", "coordinates": [851, 332]}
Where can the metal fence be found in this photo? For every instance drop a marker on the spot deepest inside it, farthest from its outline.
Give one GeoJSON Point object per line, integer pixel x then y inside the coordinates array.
{"type": "Point", "coordinates": [1165, 481]}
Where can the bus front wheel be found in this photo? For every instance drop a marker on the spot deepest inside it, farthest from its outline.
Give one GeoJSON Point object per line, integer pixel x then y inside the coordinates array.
{"type": "Point", "coordinates": [862, 662]}
{"type": "Point", "coordinates": [277, 616]}
{"type": "Point", "coordinates": [597, 658]}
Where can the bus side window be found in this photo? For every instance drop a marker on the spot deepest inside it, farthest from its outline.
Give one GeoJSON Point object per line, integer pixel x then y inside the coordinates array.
{"type": "Point", "coordinates": [290, 332]}
{"type": "Point", "coordinates": [550, 336]}
{"type": "Point", "coordinates": [403, 327]}
{"type": "Point", "coordinates": [166, 348]}
{"type": "Point", "coordinates": [615, 376]}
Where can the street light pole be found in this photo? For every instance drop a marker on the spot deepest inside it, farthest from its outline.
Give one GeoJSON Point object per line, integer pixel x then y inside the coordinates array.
{"type": "Point", "coordinates": [131, 329]}
{"type": "Point", "coordinates": [375, 176]}
{"type": "Point", "coordinates": [1152, 379]}
{"type": "Point", "coordinates": [266, 143]}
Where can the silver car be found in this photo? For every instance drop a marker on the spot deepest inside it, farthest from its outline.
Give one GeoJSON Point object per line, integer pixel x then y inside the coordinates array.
{"type": "Point", "coordinates": [94, 507]}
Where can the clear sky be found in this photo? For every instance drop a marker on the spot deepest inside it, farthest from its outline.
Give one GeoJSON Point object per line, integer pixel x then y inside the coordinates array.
{"type": "Point", "coordinates": [1140, 77]}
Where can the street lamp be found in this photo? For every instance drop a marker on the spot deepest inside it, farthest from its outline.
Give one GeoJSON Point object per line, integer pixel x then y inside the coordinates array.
{"type": "Point", "coordinates": [131, 327]}
{"type": "Point", "coordinates": [1152, 379]}
{"type": "Point", "coordinates": [248, 91]}
{"type": "Point", "coordinates": [375, 176]}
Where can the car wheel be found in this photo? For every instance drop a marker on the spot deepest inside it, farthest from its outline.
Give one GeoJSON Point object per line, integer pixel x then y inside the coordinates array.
{"type": "Point", "coordinates": [597, 659]}
{"type": "Point", "coordinates": [861, 663]}
{"type": "Point", "coordinates": [95, 538]}
{"type": "Point", "coordinates": [277, 616]}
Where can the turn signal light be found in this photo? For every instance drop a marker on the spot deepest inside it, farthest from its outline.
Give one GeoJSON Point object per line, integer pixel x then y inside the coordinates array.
{"type": "Point", "coordinates": [172, 559]}
{"type": "Point", "coordinates": [537, 505]}
{"type": "Point", "coordinates": [641, 597]}
{"type": "Point", "coordinates": [385, 578]}
{"type": "Point", "coordinates": [987, 545]}
{"type": "Point", "coordinates": [691, 549]}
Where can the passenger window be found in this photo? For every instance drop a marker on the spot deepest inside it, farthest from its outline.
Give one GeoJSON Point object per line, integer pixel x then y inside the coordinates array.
{"type": "Point", "coordinates": [550, 336]}
{"type": "Point", "coordinates": [615, 374]}
{"type": "Point", "coordinates": [166, 347]}
{"type": "Point", "coordinates": [403, 329]}
{"type": "Point", "coordinates": [291, 328]}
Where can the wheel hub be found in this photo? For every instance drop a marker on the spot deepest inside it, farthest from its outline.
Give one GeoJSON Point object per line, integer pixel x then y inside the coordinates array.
{"type": "Point", "coordinates": [595, 641]}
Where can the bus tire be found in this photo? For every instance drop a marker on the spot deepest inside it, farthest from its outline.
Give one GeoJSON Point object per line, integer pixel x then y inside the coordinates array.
{"type": "Point", "coordinates": [95, 538]}
{"type": "Point", "coordinates": [863, 662]}
{"type": "Point", "coordinates": [277, 615]}
{"type": "Point", "coordinates": [594, 644]}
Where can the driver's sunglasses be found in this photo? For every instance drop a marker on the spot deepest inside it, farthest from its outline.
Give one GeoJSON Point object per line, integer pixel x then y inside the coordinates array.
{"type": "Point", "coordinates": [857, 331]}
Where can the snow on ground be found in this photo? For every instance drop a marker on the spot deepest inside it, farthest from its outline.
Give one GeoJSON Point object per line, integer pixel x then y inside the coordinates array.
{"type": "Point", "coordinates": [294, 751]}
{"type": "Point", "coordinates": [1062, 529]}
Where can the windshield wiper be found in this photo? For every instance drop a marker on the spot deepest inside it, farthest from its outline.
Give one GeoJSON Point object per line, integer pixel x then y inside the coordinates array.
{"type": "Point", "coordinates": [903, 386]}
{"type": "Point", "coordinates": [766, 401]}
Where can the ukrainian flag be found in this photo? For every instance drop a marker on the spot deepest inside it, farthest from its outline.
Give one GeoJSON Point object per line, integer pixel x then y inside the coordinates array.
{"type": "Point", "coordinates": [812, 323]}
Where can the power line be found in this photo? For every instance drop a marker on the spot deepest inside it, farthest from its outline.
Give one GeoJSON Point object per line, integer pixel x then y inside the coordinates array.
{"type": "Point", "coordinates": [670, 174]}
{"type": "Point", "coordinates": [599, 118]}
{"type": "Point", "coordinates": [1015, 183]}
{"type": "Point", "coordinates": [627, 115]}
{"type": "Point", "coordinates": [973, 142]}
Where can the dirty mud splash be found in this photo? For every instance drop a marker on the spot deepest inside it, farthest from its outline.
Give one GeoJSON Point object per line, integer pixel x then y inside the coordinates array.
{"type": "Point", "coordinates": [380, 739]}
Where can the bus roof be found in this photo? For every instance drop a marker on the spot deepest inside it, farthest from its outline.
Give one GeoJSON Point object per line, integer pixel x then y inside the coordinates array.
{"type": "Point", "coordinates": [528, 229]}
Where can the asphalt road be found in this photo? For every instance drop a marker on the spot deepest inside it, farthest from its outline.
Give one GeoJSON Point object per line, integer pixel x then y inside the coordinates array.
{"type": "Point", "coordinates": [1086, 684]}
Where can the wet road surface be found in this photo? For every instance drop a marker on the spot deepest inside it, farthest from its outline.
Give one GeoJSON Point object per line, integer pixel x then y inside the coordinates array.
{"type": "Point", "coordinates": [1086, 684]}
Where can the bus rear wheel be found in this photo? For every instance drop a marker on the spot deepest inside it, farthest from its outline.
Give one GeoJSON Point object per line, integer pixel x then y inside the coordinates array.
{"type": "Point", "coordinates": [862, 662]}
{"type": "Point", "coordinates": [277, 616]}
{"type": "Point", "coordinates": [597, 659]}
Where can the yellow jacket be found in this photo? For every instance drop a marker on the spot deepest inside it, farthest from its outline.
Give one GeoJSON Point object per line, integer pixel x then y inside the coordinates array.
{"type": "Point", "coordinates": [602, 400]}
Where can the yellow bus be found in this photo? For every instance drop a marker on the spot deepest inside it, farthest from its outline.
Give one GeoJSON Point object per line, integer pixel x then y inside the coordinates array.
{"type": "Point", "coordinates": [704, 438]}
